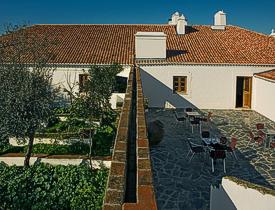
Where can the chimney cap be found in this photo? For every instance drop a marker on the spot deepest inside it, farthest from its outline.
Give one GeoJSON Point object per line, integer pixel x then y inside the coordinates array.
{"type": "Point", "coordinates": [182, 17]}
{"type": "Point", "coordinates": [221, 12]}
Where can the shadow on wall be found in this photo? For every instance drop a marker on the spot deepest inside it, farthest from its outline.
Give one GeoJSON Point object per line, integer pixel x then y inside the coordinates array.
{"type": "Point", "coordinates": [158, 93]}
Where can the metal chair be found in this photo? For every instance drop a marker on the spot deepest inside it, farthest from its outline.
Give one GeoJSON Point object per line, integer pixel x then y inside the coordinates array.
{"type": "Point", "coordinates": [205, 134]}
{"type": "Point", "coordinates": [232, 147]}
{"type": "Point", "coordinates": [259, 126]}
{"type": "Point", "coordinates": [194, 149]}
{"type": "Point", "coordinates": [215, 155]}
{"type": "Point", "coordinates": [223, 140]}
{"type": "Point", "coordinates": [188, 109]}
{"type": "Point", "coordinates": [179, 118]}
{"type": "Point", "coordinates": [253, 139]}
{"type": "Point", "coordinates": [195, 122]}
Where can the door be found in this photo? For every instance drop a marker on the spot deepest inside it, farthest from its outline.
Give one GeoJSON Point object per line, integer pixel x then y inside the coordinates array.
{"type": "Point", "coordinates": [247, 92]}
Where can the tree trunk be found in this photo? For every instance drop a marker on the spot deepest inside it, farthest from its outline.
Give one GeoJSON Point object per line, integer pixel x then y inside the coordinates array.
{"type": "Point", "coordinates": [90, 151]}
{"type": "Point", "coordinates": [29, 150]}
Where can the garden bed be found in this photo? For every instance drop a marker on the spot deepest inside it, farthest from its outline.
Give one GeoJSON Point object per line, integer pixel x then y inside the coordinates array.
{"type": "Point", "coordinates": [102, 145]}
{"type": "Point", "coordinates": [43, 186]}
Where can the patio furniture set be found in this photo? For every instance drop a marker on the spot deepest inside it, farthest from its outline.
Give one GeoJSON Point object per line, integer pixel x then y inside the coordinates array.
{"type": "Point", "coordinates": [264, 136]}
{"type": "Point", "coordinates": [216, 147]}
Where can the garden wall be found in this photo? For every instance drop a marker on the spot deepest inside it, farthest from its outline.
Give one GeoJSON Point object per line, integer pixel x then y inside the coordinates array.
{"type": "Point", "coordinates": [115, 192]}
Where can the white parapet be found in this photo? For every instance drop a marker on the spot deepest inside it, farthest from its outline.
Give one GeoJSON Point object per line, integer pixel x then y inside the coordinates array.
{"type": "Point", "coordinates": [241, 195]}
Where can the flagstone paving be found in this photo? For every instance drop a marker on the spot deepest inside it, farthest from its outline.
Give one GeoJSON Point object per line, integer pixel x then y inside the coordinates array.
{"type": "Point", "coordinates": [183, 185]}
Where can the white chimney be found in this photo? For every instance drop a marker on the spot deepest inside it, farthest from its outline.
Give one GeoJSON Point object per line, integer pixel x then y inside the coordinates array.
{"type": "Point", "coordinates": [150, 45]}
{"type": "Point", "coordinates": [181, 24]}
{"type": "Point", "coordinates": [272, 33]}
{"type": "Point", "coordinates": [219, 21]}
{"type": "Point", "coordinates": [174, 19]}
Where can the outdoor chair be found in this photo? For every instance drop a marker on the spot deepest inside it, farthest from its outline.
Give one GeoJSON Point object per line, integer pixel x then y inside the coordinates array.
{"type": "Point", "coordinates": [262, 134]}
{"type": "Point", "coordinates": [215, 155]}
{"type": "Point", "coordinates": [232, 147]}
{"type": "Point", "coordinates": [223, 140]}
{"type": "Point", "coordinates": [259, 126]}
{"type": "Point", "coordinates": [195, 122]}
{"type": "Point", "coordinates": [253, 139]}
{"type": "Point", "coordinates": [208, 118]}
{"type": "Point", "coordinates": [188, 109]}
{"type": "Point", "coordinates": [194, 149]}
{"type": "Point", "coordinates": [205, 134]}
{"type": "Point", "coordinates": [180, 118]}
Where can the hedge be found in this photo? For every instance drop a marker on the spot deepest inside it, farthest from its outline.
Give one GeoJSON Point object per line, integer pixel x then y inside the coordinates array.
{"type": "Point", "coordinates": [43, 186]}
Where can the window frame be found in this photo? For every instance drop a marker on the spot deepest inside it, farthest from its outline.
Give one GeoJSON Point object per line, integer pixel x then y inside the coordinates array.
{"type": "Point", "coordinates": [178, 80]}
{"type": "Point", "coordinates": [82, 81]}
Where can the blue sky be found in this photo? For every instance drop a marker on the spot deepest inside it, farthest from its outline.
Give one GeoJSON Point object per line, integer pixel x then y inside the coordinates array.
{"type": "Point", "coordinates": [252, 14]}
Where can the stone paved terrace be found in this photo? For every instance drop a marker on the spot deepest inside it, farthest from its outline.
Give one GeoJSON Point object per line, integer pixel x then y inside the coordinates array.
{"type": "Point", "coordinates": [182, 185]}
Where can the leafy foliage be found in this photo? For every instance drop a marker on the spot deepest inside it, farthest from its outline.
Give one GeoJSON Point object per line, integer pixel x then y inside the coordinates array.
{"type": "Point", "coordinates": [94, 103]}
{"type": "Point", "coordinates": [51, 187]}
{"type": "Point", "coordinates": [26, 91]}
{"type": "Point", "coordinates": [103, 141]}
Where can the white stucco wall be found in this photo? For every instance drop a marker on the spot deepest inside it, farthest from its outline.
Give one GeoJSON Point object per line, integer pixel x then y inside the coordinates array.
{"type": "Point", "coordinates": [207, 86]}
{"type": "Point", "coordinates": [248, 198]}
{"type": "Point", "coordinates": [264, 97]}
{"type": "Point", "coordinates": [60, 75]}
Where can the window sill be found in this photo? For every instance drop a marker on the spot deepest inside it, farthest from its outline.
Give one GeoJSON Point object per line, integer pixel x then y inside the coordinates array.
{"type": "Point", "coordinates": [182, 94]}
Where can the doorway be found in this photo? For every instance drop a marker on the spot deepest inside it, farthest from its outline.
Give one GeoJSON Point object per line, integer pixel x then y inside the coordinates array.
{"type": "Point", "coordinates": [243, 92]}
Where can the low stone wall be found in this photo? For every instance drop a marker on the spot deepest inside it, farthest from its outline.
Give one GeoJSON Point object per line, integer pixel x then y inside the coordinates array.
{"type": "Point", "coordinates": [14, 142]}
{"type": "Point", "coordinates": [19, 161]}
{"type": "Point", "coordinates": [145, 190]}
{"type": "Point", "coordinates": [235, 194]}
{"type": "Point", "coordinates": [115, 191]}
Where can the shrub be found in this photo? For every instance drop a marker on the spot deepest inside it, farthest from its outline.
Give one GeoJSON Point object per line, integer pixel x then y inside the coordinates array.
{"type": "Point", "coordinates": [44, 186]}
{"type": "Point", "coordinates": [103, 140]}
{"type": "Point", "coordinates": [54, 149]}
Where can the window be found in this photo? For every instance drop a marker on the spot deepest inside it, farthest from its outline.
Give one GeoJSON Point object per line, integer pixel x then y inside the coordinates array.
{"type": "Point", "coordinates": [180, 84]}
{"type": "Point", "coordinates": [83, 78]}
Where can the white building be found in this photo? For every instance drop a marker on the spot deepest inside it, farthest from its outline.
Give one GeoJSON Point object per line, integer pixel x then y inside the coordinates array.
{"type": "Point", "coordinates": [199, 65]}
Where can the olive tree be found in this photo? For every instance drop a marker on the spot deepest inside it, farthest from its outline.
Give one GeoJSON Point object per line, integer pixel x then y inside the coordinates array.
{"type": "Point", "coordinates": [26, 91]}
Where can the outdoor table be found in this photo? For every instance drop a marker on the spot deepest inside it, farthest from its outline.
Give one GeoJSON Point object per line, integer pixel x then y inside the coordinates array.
{"type": "Point", "coordinates": [209, 141]}
{"type": "Point", "coordinates": [269, 134]}
{"type": "Point", "coordinates": [192, 114]}
{"type": "Point", "coordinates": [214, 143]}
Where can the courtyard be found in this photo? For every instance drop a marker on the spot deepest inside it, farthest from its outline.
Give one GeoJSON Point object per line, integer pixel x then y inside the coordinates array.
{"type": "Point", "coordinates": [180, 184]}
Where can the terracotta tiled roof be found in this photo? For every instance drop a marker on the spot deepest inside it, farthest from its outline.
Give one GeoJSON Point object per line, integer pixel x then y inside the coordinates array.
{"type": "Point", "coordinates": [103, 44]}
{"type": "Point", "coordinates": [267, 74]}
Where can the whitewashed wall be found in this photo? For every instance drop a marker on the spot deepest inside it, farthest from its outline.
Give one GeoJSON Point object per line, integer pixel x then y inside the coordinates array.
{"type": "Point", "coordinates": [60, 74]}
{"type": "Point", "coordinates": [264, 97]}
{"type": "Point", "coordinates": [247, 198]}
{"type": "Point", "coordinates": [208, 86]}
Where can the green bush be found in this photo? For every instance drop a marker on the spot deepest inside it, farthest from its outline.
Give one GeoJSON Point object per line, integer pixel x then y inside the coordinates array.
{"type": "Point", "coordinates": [51, 187]}
{"type": "Point", "coordinates": [10, 149]}
{"type": "Point", "coordinates": [54, 149]}
{"type": "Point", "coordinates": [103, 141]}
